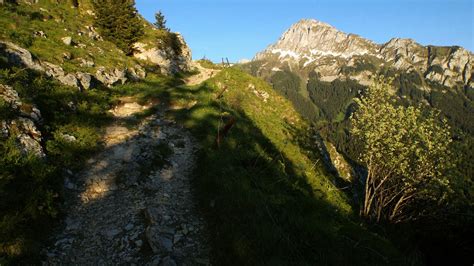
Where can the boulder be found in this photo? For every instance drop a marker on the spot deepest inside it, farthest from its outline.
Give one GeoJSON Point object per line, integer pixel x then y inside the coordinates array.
{"type": "Point", "coordinates": [67, 40]}
{"type": "Point", "coordinates": [136, 73]}
{"type": "Point", "coordinates": [28, 145]}
{"type": "Point", "coordinates": [19, 56]}
{"type": "Point", "coordinates": [40, 34]}
{"type": "Point", "coordinates": [9, 95]}
{"type": "Point", "coordinates": [85, 80]}
{"type": "Point", "coordinates": [111, 77]}
{"type": "Point", "coordinates": [86, 63]}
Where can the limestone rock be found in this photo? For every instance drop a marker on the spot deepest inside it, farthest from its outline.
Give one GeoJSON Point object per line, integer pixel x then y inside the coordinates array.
{"type": "Point", "coordinates": [19, 56]}
{"type": "Point", "coordinates": [85, 80]}
{"type": "Point", "coordinates": [23, 126]}
{"type": "Point", "coordinates": [93, 34]}
{"type": "Point", "coordinates": [136, 73]}
{"type": "Point", "coordinates": [40, 34]}
{"type": "Point", "coordinates": [168, 60]}
{"type": "Point", "coordinates": [111, 77]}
{"type": "Point", "coordinates": [67, 40]}
{"type": "Point", "coordinates": [29, 145]}
{"type": "Point", "coordinates": [9, 95]}
{"type": "Point", "coordinates": [86, 63]}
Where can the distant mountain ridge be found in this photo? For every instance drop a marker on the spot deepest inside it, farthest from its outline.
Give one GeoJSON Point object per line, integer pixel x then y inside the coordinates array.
{"type": "Point", "coordinates": [311, 45]}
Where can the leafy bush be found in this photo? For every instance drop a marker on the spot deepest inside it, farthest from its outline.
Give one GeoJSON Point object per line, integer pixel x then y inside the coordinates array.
{"type": "Point", "coordinates": [407, 156]}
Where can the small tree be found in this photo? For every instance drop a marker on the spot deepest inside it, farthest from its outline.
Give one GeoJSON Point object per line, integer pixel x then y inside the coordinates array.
{"type": "Point", "coordinates": [118, 22]}
{"type": "Point", "coordinates": [160, 22]}
{"type": "Point", "coordinates": [406, 154]}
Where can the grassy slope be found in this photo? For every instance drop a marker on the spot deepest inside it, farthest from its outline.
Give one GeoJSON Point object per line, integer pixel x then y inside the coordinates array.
{"type": "Point", "coordinates": [20, 22]}
{"type": "Point", "coordinates": [267, 199]}
{"type": "Point", "coordinates": [31, 189]}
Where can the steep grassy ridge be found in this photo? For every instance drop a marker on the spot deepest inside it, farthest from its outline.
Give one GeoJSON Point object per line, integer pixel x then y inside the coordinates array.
{"type": "Point", "coordinates": [267, 196]}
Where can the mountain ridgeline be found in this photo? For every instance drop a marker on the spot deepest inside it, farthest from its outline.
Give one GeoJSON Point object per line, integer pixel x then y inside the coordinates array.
{"type": "Point", "coordinates": [312, 62]}
{"type": "Point", "coordinates": [322, 70]}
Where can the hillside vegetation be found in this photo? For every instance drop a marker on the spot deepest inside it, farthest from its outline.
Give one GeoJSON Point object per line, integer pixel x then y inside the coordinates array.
{"type": "Point", "coordinates": [263, 181]}
{"type": "Point", "coordinates": [63, 124]}
{"type": "Point", "coordinates": [265, 191]}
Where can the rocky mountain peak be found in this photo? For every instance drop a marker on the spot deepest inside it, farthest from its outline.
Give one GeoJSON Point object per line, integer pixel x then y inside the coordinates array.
{"type": "Point", "coordinates": [309, 39]}
{"type": "Point", "coordinates": [311, 45]}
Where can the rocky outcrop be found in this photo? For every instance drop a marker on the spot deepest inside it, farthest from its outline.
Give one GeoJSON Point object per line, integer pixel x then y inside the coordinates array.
{"type": "Point", "coordinates": [21, 57]}
{"type": "Point", "coordinates": [111, 77]}
{"type": "Point", "coordinates": [309, 39]}
{"type": "Point", "coordinates": [311, 45]}
{"type": "Point", "coordinates": [23, 123]}
{"type": "Point", "coordinates": [169, 60]}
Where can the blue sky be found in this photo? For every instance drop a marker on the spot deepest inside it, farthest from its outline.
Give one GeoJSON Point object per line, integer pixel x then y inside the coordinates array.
{"type": "Point", "coordinates": [240, 28]}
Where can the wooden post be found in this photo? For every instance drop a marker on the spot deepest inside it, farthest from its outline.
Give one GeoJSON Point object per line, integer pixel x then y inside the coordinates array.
{"type": "Point", "coordinates": [219, 95]}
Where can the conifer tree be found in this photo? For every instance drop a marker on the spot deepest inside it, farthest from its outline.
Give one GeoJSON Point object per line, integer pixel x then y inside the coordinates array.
{"type": "Point", "coordinates": [118, 22]}
{"type": "Point", "coordinates": [160, 22]}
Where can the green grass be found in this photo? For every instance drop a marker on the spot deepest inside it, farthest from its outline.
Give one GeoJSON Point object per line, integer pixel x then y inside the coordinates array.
{"type": "Point", "coordinates": [30, 187]}
{"type": "Point", "coordinates": [209, 64]}
{"type": "Point", "coordinates": [266, 196]}
{"type": "Point", "coordinates": [265, 193]}
{"type": "Point", "coordinates": [20, 22]}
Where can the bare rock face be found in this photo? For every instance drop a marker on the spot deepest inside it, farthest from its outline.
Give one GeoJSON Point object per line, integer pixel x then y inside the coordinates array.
{"type": "Point", "coordinates": [169, 61]}
{"type": "Point", "coordinates": [311, 45]}
{"type": "Point", "coordinates": [153, 55]}
{"type": "Point", "coordinates": [24, 124]}
{"type": "Point", "coordinates": [310, 39]}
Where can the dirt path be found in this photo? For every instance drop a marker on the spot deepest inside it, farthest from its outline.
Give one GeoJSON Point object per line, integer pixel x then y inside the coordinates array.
{"type": "Point", "coordinates": [204, 74]}
{"type": "Point", "coordinates": [133, 203]}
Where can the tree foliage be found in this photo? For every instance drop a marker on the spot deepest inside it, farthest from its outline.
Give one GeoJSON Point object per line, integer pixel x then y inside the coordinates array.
{"type": "Point", "coordinates": [407, 155]}
{"type": "Point", "coordinates": [160, 21]}
{"type": "Point", "coordinates": [118, 22]}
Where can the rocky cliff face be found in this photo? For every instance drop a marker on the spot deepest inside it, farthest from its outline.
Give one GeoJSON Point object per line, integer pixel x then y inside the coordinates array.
{"type": "Point", "coordinates": [311, 45]}
{"type": "Point", "coordinates": [308, 40]}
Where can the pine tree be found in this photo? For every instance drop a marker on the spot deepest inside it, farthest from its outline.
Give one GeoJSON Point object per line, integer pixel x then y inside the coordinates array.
{"type": "Point", "coordinates": [118, 22]}
{"type": "Point", "coordinates": [160, 22]}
